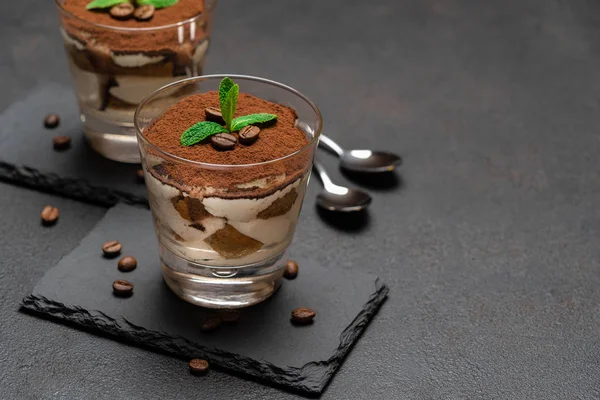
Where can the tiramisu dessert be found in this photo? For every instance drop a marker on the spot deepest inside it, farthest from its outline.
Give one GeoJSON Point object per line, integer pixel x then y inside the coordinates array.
{"type": "Point", "coordinates": [120, 51]}
{"type": "Point", "coordinates": [226, 175]}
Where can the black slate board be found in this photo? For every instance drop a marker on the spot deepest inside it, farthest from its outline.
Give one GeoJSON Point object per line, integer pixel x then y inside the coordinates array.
{"type": "Point", "coordinates": [28, 159]}
{"type": "Point", "coordinates": [263, 345]}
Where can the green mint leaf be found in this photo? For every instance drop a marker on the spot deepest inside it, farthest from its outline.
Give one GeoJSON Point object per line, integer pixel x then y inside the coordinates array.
{"type": "Point", "coordinates": [200, 131]}
{"type": "Point", "coordinates": [158, 3]}
{"type": "Point", "coordinates": [224, 87]}
{"type": "Point", "coordinates": [229, 105]}
{"type": "Point", "coordinates": [103, 4]}
{"type": "Point", "coordinates": [240, 122]}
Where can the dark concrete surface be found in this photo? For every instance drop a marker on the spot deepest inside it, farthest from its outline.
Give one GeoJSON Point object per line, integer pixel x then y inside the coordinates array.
{"type": "Point", "coordinates": [489, 237]}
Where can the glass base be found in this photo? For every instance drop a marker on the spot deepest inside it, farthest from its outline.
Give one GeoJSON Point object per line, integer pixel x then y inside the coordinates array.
{"type": "Point", "coordinates": [222, 287]}
{"type": "Point", "coordinates": [115, 141]}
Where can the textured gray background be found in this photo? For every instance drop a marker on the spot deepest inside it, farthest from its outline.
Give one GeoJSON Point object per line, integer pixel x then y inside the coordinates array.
{"type": "Point", "coordinates": [489, 241]}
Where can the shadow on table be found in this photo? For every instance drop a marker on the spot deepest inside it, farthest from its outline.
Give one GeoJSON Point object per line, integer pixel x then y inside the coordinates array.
{"type": "Point", "coordinates": [349, 222]}
{"type": "Point", "coordinates": [378, 181]}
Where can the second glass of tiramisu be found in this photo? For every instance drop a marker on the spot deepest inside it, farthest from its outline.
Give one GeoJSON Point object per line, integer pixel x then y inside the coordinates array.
{"type": "Point", "coordinates": [226, 161]}
{"type": "Point", "coordinates": [120, 51]}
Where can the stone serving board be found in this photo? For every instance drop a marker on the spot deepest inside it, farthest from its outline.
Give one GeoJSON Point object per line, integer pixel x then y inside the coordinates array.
{"type": "Point", "coordinates": [28, 159]}
{"type": "Point", "coordinates": [263, 345]}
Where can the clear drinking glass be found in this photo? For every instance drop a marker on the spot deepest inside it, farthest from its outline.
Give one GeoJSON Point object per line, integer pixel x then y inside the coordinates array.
{"type": "Point", "coordinates": [226, 249]}
{"type": "Point", "coordinates": [114, 68]}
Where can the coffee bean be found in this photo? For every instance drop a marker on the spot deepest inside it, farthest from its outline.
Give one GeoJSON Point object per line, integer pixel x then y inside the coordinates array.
{"type": "Point", "coordinates": [140, 175]}
{"type": "Point", "coordinates": [111, 249]}
{"type": "Point", "coordinates": [198, 366]}
{"type": "Point", "coordinates": [122, 11]}
{"type": "Point", "coordinates": [303, 316]}
{"type": "Point", "coordinates": [122, 288]}
{"type": "Point", "coordinates": [229, 316]}
{"type": "Point", "coordinates": [144, 12]}
{"type": "Point", "coordinates": [223, 141]}
{"type": "Point", "coordinates": [127, 264]}
{"type": "Point", "coordinates": [249, 134]}
{"type": "Point", "coordinates": [291, 269]}
{"type": "Point", "coordinates": [51, 121]}
{"type": "Point", "coordinates": [49, 215]}
{"type": "Point", "coordinates": [210, 323]}
{"type": "Point", "coordinates": [61, 142]}
{"type": "Point", "coordinates": [214, 114]}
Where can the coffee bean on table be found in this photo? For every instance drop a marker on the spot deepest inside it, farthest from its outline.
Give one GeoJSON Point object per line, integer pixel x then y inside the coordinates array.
{"type": "Point", "coordinates": [51, 121]}
{"type": "Point", "coordinates": [49, 215]}
{"type": "Point", "coordinates": [140, 175]}
{"type": "Point", "coordinates": [223, 141]}
{"type": "Point", "coordinates": [127, 264]}
{"type": "Point", "coordinates": [249, 134]}
{"type": "Point", "coordinates": [111, 249]}
{"type": "Point", "coordinates": [214, 114]}
{"type": "Point", "coordinates": [210, 323]}
{"type": "Point", "coordinates": [61, 142]}
{"type": "Point", "coordinates": [303, 316]}
{"type": "Point", "coordinates": [122, 11]}
{"type": "Point", "coordinates": [229, 316]}
{"type": "Point", "coordinates": [198, 366]}
{"type": "Point", "coordinates": [144, 12]}
{"type": "Point", "coordinates": [291, 269]}
{"type": "Point", "coordinates": [122, 288]}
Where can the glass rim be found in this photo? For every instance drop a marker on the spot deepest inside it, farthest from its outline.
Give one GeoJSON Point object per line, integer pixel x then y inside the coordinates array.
{"type": "Point", "coordinates": [314, 139]}
{"type": "Point", "coordinates": [211, 6]}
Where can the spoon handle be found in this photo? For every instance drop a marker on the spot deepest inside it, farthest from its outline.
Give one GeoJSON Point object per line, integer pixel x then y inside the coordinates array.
{"type": "Point", "coordinates": [327, 184]}
{"type": "Point", "coordinates": [330, 145]}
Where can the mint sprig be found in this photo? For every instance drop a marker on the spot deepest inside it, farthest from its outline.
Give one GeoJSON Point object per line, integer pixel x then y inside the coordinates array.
{"type": "Point", "coordinates": [158, 3]}
{"type": "Point", "coordinates": [228, 97]}
{"type": "Point", "coordinates": [224, 88]}
{"type": "Point", "coordinates": [199, 132]}
{"type": "Point", "coordinates": [95, 4]}
{"type": "Point", "coordinates": [229, 102]}
{"type": "Point", "coordinates": [240, 122]}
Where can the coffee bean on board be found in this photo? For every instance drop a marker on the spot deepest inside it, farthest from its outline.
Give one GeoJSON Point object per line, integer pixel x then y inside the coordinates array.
{"type": "Point", "coordinates": [61, 142]}
{"type": "Point", "coordinates": [51, 121]}
{"type": "Point", "coordinates": [111, 248]}
{"type": "Point", "coordinates": [49, 215]}
{"type": "Point", "coordinates": [303, 316]}
{"type": "Point", "coordinates": [198, 366]}
{"type": "Point", "coordinates": [291, 269]}
{"type": "Point", "coordinates": [210, 323]}
{"type": "Point", "coordinates": [127, 264]}
{"type": "Point", "coordinates": [122, 288]}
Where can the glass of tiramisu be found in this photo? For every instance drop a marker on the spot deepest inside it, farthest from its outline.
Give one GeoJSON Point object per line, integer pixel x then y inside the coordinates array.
{"type": "Point", "coordinates": [226, 162]}
{"type": "Point", "coordinates": [120, 51]}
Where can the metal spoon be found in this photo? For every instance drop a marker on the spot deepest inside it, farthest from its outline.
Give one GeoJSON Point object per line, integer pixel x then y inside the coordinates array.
{"type": "Point", "coordinates": [362, 160]}
{"type": "Point", "coordinates": [339, 198]}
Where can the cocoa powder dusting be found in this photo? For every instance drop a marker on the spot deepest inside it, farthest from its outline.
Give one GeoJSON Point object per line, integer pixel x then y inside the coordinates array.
{"type": "Point", "coordinates": [275, 141]}
{"type": "Point", "coordinates": [119, 41]}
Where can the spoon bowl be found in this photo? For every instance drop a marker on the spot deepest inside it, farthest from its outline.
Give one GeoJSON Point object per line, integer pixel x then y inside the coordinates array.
{"type": "Point", "coordinates": [369, 161]}
{"type": "Point", "coordinates": [339, 198]}
{"type": "Point", "coordinates": [353, 200]}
